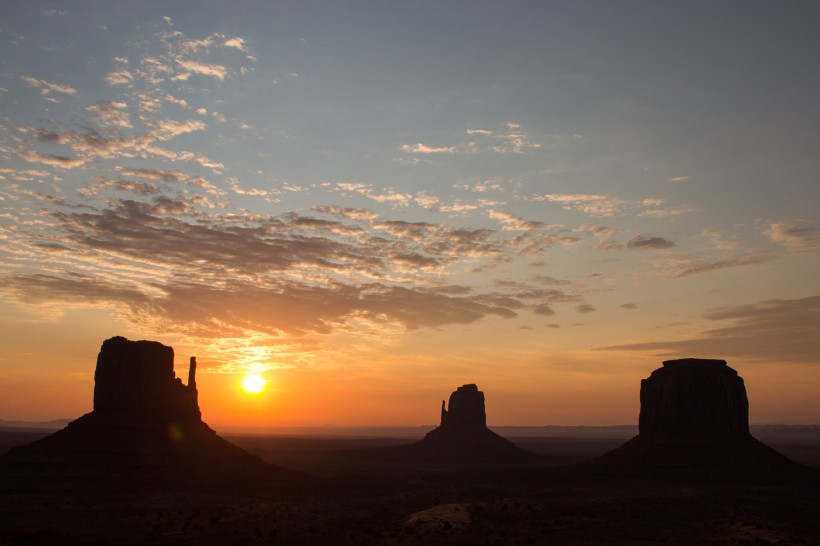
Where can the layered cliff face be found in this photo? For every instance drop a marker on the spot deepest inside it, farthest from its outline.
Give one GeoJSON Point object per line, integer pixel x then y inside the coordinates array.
{"type": "Point", "coordinates": [694, 424]}
{"type": "Point", "coordinates": [137, 378]}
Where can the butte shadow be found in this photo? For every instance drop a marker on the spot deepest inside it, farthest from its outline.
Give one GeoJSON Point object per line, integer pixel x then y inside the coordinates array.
{"type": "Point", "coordinates": [145, 429]}
{"type": "Point", "coordinates": [462, 436]}
{"type": "Point", "coordinates": [694, 425]}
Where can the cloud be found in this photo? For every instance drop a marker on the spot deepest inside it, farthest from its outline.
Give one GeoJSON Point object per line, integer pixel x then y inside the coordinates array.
{"type": "Point", "coordinates": [111, 113]}
{"type": "Point", "coordinates": [217, 71]}
{"type": "Point", "coordinates": [514, 140]}
{"type": "Point", "coordinates": [353, 214]}
{"type": "Point", "coordinates": [168, 129]}
{"type": "Point", "coordinates": [234, 308]}
{"type": "Point", "coordinates": [388, 195]}
{"type": "Point", "coordinates": [60, 161]}
{"type": "Point", "coordinates": [669, 212]}
{"type": "Point", "coordinates": [592, 204]}
{"type": "Point", "coordinates": [629, 306]}
{"type": "Point", "coordinates": [236, 42]}
{"type": "Point", "coordinates": [647, 242]}
{"type": "Point", "coordinates": [22, 175]}
{"type": "Point", "coordinates": [104, 135]}
{"type": "Point", "coordinates": [604, 234]}
{"type": "Point", "coordinates": [514, 223]}
{"type": "Point", "coordinates": [511, 140]}
{"type": "Point", "coordinates": [584, 308]}
{"type": "Point", "coordinates": [152, 174]}
{"type": "Point", "coordinates": [800, 235]}
{"type": "Point", "coordinates": [119, 77]}
{"type": "Point", "coordinates": [48, 87]}
{"type": "Point", "coordinates": [652, 202]}
{"type": "Point", "coordinates": [239, 190]}
{"type": "Point", "coordinates": [774, 331]}
{"type": "Point", "coordinates": [717, 240]}
{"type": "Point", "coordinates": [420, 148]}
{"type": "Point", "coordinates": [685, 266]}
{"type": "Point", "coordinates": [543, 310]}
{"type": "Point", "coordinates": [137, 188]}
{"type": "Point", "coordinates": [540, 301]}
{"type": "Point", "coordinates": [44, 136]}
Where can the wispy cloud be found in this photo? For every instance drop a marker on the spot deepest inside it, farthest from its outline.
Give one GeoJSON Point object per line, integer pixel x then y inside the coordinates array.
{"type": "Point", "coordinates": [800, 235]}
{"type": "Point", "coordinates": [346, 212]}
{"type": "Point", "coordinates": [718, 239]}
{"type": "Point", "coordinates": [217, 71]}
{"type": "Point", "coordinates": [514, 223]}
{"type": "Point", "coordinates": [420, 148]}
{"type": "Point", "coordinates": [783, 330]}
{"type": "Point", "coordinates": [648, 242]}
{"type": "Point", "coordinates": [60, 161]}
{"type": "Point", "coordinates": [667, 212]}
{"type": "Point", "coordinates": [236, 42]}
{"type": "Point", "coordinates": [46, 87]}
{"type": "Point", "coordinates": [111, 113]}
{"type": "Point", "coordinates": [592, 204]}
{"type": "Point", "coordinates": [510, 140]}
{"type": "Point", "coordinates": [168, 129]}
{"type": "Point", "coordinates": [682, 266]}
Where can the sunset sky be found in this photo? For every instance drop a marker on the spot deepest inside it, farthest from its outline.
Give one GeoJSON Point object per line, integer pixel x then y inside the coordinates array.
{"type": "Point", "coordinates": [371, 203]}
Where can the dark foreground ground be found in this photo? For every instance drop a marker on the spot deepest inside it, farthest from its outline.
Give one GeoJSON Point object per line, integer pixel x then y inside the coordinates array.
{"type": "Point", "coordinates": [351, 496]}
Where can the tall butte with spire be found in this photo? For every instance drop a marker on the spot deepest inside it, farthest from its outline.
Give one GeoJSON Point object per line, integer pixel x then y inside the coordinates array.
{"type": "Point", "coordinates": [146, 426]}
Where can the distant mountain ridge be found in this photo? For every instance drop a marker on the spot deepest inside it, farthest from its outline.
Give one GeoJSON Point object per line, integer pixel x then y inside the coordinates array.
{"type": "Point", "coordinates": [805, 434]}
{"type": "Point", "coordinates": [54, 424]}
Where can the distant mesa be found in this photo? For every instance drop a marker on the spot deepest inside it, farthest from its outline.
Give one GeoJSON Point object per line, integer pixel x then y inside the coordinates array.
{"type": "Point", "coordinates": [463, 435]}
{"type": "Point", "coordinates": [694, 423]}
{"type": "Point", "coordinates": [146, 426]}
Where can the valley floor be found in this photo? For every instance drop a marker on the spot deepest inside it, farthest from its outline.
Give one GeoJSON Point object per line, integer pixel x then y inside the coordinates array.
{"type": "Point", "coordinates": [352, 497]}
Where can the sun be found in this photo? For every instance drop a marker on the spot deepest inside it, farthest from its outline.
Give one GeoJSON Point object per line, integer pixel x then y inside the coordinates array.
{"type": "Point", "coordinates": [253, 383]}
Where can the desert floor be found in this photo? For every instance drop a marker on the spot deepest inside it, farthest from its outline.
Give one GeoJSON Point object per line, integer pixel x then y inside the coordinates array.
{"type": "Point", "coordinates": [348, 495]}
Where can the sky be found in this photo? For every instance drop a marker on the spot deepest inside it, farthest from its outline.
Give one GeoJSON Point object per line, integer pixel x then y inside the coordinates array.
{"type": "Point", "coordinates": [370, 204]}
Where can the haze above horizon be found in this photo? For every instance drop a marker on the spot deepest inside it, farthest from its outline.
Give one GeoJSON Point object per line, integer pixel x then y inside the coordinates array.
{"type": "Point", "coordinates": [369, 204]}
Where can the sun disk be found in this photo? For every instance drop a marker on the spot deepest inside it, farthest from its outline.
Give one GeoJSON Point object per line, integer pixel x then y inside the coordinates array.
{"type": "Point", "coordinates": [253, 383]}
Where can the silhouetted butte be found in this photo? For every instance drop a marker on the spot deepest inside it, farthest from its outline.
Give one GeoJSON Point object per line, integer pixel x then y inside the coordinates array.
{"type": "Point", "coordinates": [463, 435]}
{"type": "Point", "coordinates": [694, 423]}
{"type": "Point", "coordinates": [146, 427]}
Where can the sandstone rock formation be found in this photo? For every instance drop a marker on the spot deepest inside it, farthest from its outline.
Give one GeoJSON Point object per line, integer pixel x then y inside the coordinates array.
{"type": "Point", "coordinates": [693, 398]}
{"type": "Point", "coordinates": [137, 377]}
{"type": "Point", "coordinates": [463, 432]}
{"type": "Point", "coordinates": [145, 428]}
{"type": "Point", "coordinates": [466, 408]}
{"type": "Point", "coordinates": [694, 423]}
